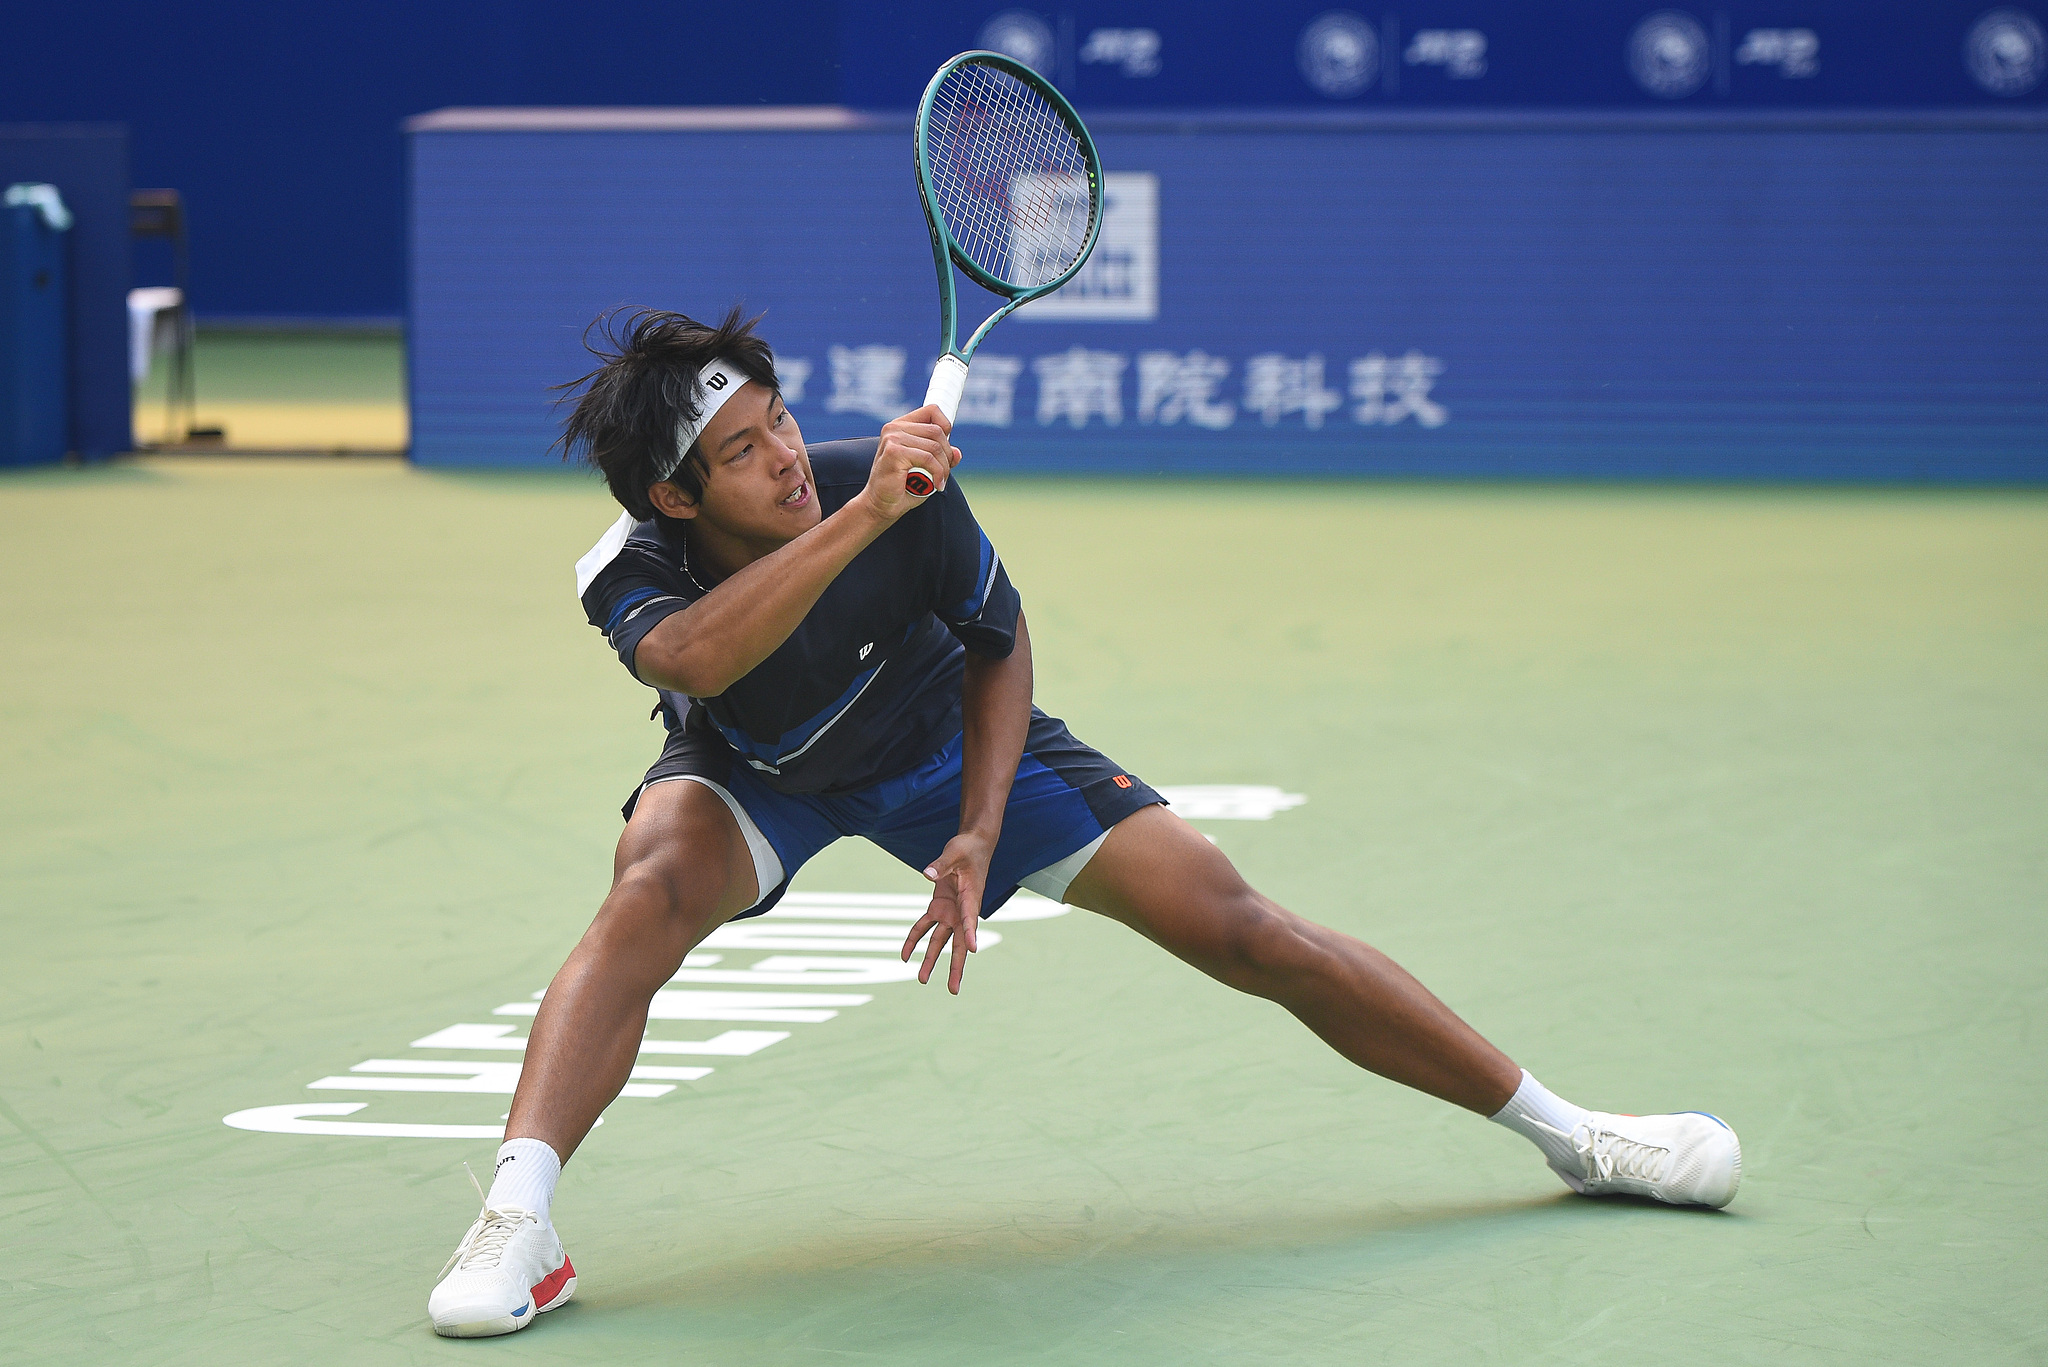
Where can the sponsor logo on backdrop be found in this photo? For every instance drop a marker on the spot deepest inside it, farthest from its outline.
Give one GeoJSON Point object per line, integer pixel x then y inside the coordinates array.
{"type": "Point", "coordinates": [1339, 54]}
{"type": "Point", "coordinates": [1173, 388]}
{"type": "Point", "coordinates": [1135, 50]}
{"type": "Point", "coordinates": [1079, 384]}
{"type": "Point", "coordinates": [989, 398]}
{"type": "Point", "coordinates": [1120, 282]}
{"type": "Point", "coordinates": [2006, 52]}
{"type": "Point", "coordinates": [866, 379]}
{"type": "Point", "coordinates": [1668, 54]}
{"type": "Point", "coordinates": [1020, 34]}
{"type": "Point", "coordinates": [1794, 51]}
{"type": "Point", "coordinates": [1461, 52]}
{"type": "Point", "coordinates": [1083, 385]}
{"type": "Point", "coordinates": [792, 373]}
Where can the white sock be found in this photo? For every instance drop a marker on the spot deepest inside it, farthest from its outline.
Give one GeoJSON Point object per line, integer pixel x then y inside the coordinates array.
{"type": "Point", "coordinates": [527, 1172]}
{"type": "Point", "coordinates": [1544, 1119]}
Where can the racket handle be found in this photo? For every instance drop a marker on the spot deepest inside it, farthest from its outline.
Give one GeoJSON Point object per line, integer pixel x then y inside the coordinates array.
{"type": "Point", "coordinates": [949, 381]}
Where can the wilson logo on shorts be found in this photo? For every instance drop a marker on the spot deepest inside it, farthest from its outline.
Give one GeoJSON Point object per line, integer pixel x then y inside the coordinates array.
{"type": "Point", "coordinates": [1122, 780]}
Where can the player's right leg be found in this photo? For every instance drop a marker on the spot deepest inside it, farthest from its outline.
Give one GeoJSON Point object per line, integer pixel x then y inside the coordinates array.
{"type": "Point", "coordinates": [682, 869]}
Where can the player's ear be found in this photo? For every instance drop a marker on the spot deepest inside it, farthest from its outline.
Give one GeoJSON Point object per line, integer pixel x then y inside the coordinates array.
{"type": "Point", "coordinates": [670, 501]}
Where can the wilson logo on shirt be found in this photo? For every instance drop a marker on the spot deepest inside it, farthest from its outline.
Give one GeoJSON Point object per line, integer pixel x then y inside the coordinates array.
{"type": "Point", "coordinates": [866, 648]}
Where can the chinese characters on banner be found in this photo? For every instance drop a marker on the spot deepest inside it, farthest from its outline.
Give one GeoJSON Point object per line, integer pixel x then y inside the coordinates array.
{"type": "Point", "coordinates": [1081, 385]}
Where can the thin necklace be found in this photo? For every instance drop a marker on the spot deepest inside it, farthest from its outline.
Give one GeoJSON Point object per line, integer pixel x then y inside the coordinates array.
{"type": "Point", "coordinates": [686, 565]}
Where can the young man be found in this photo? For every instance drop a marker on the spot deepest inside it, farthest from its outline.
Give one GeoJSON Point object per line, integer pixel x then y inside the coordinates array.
{"type": "Point", "coordinates": [838, 657]}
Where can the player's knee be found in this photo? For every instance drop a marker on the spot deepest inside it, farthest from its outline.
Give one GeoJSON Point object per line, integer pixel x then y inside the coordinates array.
{"type": "Point", "coordinates": [658, 898]}
{"type": "Point", "coordinates": [649, 888]}
{"type": "Point", "coordinates": [1263, 946]}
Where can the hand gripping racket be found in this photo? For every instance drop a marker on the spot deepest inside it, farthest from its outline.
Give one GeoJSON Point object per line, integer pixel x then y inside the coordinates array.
{"type": "Point", "coordinates": [1012, 191]}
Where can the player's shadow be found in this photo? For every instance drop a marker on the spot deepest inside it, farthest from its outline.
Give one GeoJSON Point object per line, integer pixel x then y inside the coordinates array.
{"type": "Point", "coordinates": [814, 1268]}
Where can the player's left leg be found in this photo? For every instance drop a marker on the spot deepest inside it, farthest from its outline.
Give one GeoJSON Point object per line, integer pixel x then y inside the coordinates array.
{"type": "Point", "coordinates": [1160, 877]}
{"type": "Point", "coordinates": [1157, 875]}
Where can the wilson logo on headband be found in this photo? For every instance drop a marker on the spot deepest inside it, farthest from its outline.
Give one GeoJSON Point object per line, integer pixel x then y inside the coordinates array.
{"type": "Point", "coordinates": [720, 381]}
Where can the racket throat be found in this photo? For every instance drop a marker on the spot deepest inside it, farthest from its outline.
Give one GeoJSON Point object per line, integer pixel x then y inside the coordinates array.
{"type": "Point", "coordinates": [949, 381]}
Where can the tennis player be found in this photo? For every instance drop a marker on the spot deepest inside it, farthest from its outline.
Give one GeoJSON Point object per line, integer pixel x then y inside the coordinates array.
{"type": "Point", "coordinates": [836, 656]}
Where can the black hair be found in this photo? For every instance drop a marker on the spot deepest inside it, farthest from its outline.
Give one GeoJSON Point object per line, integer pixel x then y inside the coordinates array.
{"type": "Point", "coordinates": [624, 422]}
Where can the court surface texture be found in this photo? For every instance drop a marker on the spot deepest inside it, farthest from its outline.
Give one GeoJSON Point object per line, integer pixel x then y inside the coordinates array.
{"type": "Point", "coordinates": [1721, 799]}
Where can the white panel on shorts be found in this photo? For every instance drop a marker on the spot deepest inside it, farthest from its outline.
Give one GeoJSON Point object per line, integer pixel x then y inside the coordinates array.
{"type": "Point", "coordinates": [1052, 880]}
{"type": "Point", "coordinates": [767, 863]}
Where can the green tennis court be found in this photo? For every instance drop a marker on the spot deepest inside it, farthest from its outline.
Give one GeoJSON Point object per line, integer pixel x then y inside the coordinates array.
{"type": "Point", "coordinates": [1687, 797]}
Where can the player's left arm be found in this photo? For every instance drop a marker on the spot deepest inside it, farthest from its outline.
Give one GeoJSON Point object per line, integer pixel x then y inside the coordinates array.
{"type": "Point", "coordinates": [995, 707]}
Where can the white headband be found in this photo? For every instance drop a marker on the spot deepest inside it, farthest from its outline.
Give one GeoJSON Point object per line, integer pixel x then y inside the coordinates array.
{"type": "Point", "coordinates": [719, 380]}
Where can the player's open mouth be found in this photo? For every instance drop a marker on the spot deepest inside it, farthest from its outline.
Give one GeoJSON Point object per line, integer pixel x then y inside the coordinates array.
{"type": "Point", "coordinates": [798, 496]}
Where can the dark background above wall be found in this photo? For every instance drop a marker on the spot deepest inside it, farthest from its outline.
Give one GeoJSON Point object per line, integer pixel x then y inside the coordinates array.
{"type": "Point", "coordinates": [281, 124]}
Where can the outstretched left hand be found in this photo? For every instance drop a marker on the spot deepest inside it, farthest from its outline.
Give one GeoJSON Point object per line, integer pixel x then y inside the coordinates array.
{"type": "Point", "coordinates": [958, 876]}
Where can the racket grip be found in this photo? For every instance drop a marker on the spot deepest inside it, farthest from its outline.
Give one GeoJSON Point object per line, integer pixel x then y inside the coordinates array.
{"type": "Point", "coordinates": [949, 381]}
{"type": "Point", "coordinates": [919, 483]}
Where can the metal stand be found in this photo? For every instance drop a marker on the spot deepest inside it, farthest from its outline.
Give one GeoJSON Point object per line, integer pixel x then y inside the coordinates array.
{"type": "Point", "coordinates": [161, 214]}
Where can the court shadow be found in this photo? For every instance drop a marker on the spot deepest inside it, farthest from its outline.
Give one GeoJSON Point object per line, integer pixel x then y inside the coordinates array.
{"type": "Point", "coordinates": [829, 1265]}
{"type": "Point", "coordinates": [68, 474]}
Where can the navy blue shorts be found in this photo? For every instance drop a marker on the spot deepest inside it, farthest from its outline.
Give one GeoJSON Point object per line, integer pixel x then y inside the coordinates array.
{"type": "Point", "coordinates": [1065, 798]}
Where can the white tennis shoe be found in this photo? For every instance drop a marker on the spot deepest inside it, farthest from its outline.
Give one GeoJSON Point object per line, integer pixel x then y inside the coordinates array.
{"type": "Point", "coordinates": [508, 1271]}
{"type": "Point", "coordinates": [1689, 1159]}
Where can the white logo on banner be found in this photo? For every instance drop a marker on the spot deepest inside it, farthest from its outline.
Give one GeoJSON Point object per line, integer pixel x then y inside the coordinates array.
{"type": "Point", "coordinates": [1276, 385]}
{"type": "Point", "coordinates": [1020, 34]}
{"type": "Point", "coordinates": [2006, 52]}
{"type": "Point", "coordinates": [792, 373]}
{"type": "Point", "coordinates": [1461, 52]}
{"type": "Point", "coordinates": [990, 395]}
{"type": "Point", "coordinates": [1120, 283]}
{"type": "Point", "coordinates": [1794, 51]}
{"type": "Point", "coordinates": [1172, 387]}
{"type": "Point", "coordinates": [1136, 50]}
{"type": "Point", "coordinates": [867, 379]}
{"type": "Point", "coordinates": [1082, 384]}
{"type": "Point", "coordinates": [1079, 384]}
{"type": "Point", "coordinates": [1389, 389]}
{"type": "Point", "coordinates": [1668, 54]}
{"type": "Point", "coordinates": [1339, 54]}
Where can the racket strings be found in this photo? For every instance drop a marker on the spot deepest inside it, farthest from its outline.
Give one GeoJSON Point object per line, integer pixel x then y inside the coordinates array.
{"type": "Point", "coordinates": [1010, 175]}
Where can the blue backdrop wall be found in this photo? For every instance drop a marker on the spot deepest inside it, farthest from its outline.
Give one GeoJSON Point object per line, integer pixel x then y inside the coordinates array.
{"type": "Point", "coordinates": [281, 123]}
{"type": "Point", "coordinates": [1705, 294]}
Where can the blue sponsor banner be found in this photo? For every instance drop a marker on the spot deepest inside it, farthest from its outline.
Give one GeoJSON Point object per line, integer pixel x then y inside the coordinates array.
{"type": "Point", "coordinates": [1619, 295]}
{"type": "Point", "coordinates": [1755, 53]}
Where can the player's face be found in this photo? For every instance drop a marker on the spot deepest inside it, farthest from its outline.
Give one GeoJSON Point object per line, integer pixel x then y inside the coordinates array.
{"type": "Point", "coordinates": [757, 485]}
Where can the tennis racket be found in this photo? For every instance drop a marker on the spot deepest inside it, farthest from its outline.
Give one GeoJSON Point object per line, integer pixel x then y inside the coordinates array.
{"type": "Point", "coordinates": [1012, 191]}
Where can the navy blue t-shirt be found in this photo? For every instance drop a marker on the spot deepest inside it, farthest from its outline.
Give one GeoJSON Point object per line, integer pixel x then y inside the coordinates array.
{"type": "Point", "coordinates": [868, 685]}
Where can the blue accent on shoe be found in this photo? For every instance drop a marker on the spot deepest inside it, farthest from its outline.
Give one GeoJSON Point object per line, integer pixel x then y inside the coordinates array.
{"type": "Point", "coordinates": [517, 1313]}
{"type": "Point", "coordinates": [1715, 1118]}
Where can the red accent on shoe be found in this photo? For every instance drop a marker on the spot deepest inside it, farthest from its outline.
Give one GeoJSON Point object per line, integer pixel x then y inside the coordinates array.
{"type": "Point", "coordinates": [551, 1285]}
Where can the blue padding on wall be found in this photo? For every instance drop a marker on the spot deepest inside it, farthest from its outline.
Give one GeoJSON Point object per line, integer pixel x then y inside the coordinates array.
{"type": "Point", "coordinates": [1793, 298]}
{"type": "Point", "coordinates": [88, 163]}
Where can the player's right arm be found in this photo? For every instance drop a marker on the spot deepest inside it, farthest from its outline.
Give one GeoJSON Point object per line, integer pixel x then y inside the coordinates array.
{"type": "Point", "coordinates": [704, 649]}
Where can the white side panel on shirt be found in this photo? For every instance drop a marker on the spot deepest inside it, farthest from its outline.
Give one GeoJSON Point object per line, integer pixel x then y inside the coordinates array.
{"type": "Point", "coordinates": [603, 553]}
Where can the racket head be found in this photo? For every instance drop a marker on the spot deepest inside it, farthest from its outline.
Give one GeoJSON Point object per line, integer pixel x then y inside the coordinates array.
{"type": "Point", "coordinates": [1010, 178]}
